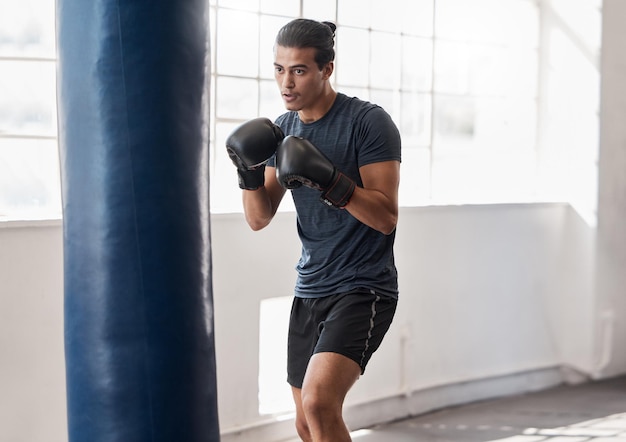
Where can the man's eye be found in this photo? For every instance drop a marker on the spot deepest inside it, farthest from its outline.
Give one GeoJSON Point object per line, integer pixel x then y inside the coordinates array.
{"type": "Point", "coordinates": [299, 71]}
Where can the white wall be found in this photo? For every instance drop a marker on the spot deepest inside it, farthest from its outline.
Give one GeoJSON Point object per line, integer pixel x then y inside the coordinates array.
{"type": "Point", "coordinates": [486, 292]}
{"type": "Point", "coordinates": [611, 275]}
{"type": "Point", "coordinates": [32, 371]}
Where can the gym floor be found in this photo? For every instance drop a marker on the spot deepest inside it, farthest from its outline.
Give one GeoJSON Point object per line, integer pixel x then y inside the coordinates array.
{"type": "Point", "coordinates": [588, 412]}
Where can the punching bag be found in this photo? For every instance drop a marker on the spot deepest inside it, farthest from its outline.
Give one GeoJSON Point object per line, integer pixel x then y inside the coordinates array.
{"type": "Point", "coordinates": [133, 83]}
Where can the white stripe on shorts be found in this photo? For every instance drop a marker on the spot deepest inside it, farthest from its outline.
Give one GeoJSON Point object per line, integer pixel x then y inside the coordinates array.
{"type": "Point", "coordinates": [369, 332]}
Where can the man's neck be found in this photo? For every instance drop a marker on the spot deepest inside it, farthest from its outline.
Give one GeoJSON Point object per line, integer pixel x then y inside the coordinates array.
{"type": "Point", "coordinates": [324, 104]}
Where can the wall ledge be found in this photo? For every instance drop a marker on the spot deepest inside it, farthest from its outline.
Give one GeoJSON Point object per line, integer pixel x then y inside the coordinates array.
{"type": "Point", "coordinates": [31, 223]}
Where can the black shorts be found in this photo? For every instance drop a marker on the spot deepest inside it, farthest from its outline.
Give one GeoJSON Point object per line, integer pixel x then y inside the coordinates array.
{"type": "Point", "coordinates": [351, 324]}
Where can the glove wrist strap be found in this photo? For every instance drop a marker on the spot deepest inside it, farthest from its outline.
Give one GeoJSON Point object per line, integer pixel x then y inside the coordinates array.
{"type": "Point", "coordinates": [339, 192]}
{"type": "Point", "coordinates": [251, 179]}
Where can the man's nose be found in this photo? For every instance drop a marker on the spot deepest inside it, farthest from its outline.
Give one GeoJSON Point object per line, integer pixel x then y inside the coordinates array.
{"type": "Point", "coordinates": [288, 81]}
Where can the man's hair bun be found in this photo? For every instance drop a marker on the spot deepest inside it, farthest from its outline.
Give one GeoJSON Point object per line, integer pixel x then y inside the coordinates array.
{"type": "Point", "coordinates": [331, 25]}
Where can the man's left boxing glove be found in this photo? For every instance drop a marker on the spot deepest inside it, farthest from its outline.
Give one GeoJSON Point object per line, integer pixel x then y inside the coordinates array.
{"type": "Point", "coordinates": [299, 162]}
{"type": "Point", "coordinates": [250, 146]}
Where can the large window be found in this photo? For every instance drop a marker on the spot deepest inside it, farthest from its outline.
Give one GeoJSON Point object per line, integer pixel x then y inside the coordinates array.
{"type": "Point", "coordinates": [458, 77]}
{"type": "Point", "coordinates": [29, 172]}
{"type": "Point", "coordinates": [483, 92]}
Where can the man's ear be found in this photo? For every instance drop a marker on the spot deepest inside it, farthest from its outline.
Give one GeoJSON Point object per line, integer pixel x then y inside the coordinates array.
{"type": "Point", "coordinates": [328, 70]}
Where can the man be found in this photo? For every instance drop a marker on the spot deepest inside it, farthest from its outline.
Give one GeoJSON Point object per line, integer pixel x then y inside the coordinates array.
{"type": "Point", "coordinates": [340, 157]}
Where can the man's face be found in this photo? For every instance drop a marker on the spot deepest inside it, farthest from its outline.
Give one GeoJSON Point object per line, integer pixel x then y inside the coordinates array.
{"type": "Point", "coordinates": [299, 79]}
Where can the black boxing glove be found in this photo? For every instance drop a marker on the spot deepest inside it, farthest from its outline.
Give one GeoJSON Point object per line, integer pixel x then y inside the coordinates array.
{"type": "Point", "coordinates": [299, 162]}
{"type": "Point", "coordinates": [250, 146]}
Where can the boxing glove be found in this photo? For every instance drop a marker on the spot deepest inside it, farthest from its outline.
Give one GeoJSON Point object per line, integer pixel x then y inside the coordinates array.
{"type": "Point", "coordinates": [299, 162]}
{"type": "Point", "coordinates": [250, 146]}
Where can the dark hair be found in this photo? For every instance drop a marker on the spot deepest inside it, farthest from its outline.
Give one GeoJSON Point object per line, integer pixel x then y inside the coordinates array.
{"type": "Point", "coordinates": [305, 33]}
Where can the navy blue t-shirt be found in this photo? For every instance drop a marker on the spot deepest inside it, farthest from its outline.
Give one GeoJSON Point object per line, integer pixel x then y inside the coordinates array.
{"type": "Point", "coordinates": [339, 253]}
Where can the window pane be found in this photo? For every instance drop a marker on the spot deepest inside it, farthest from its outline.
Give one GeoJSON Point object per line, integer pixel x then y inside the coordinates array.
{"type": "Point", "coordinates": [496, 120]}
{"type": "Point", "coordinates": [27, 98]}
{"type": "Point", "coordinates": [495, 177]}
{"type": "Point", "coordinates": [387, 14]}
{"type": "Point", "coordinates": [452, 67]}
{"type": "Point", "coordinates": [236, 98]}
{"type": "Point", "coordinates": [29, 179]}
{"type": "Point", "coordinates": [570, 129]}
{"type": "Point", "coordinates": [324, 10]}
{"type": "Point", "coordinates": [461, 177]}
{"type": "Point", "coordinates": [414, 176]}
{"type": "Point", "coordinates": [497, 70]}
{"type": "Point", "coordinates": [281, 7]}
{"type": "Point", "coordinates": [27, 28]}
{"type": "Point", "coordinates": [494, 21]}
{"type": "Point", "coordinates": [354, 13]}
{"type": "Point", "coordinates": [248, 5]}
{"type": "Point", "coordinates": [353, 57]}
{"type": "Point", "coordinates": [454, 121]}
{"type": "Point", "coordinates": [461, 122]}
{"type": "Point", "coordinates": [237, 55]}
{"type": "Point", "coordinates": [273, 326]}
{"type": "Point", "coordinates": [416, 63]}
{"type": "Point", "coordinates": [271, 105]}
{"type": "Point", "coordinates": [476, 158]}
{"type": "Point", "coordinates": [269, 28]}
{"type": "Point", "coordinates": [415, 120]}
{"type": "Point", "coordinates": [570, 68]}
{"type": "Point", "coordinates": [385, 60]}
{"type": "Point", "coordinates": [463, 68]}
{"type": "Point", "coordinates": [416, 17]}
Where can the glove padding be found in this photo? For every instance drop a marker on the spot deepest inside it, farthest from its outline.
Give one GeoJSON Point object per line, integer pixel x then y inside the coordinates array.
{"type": "Point", "coordinates": [299, 162]}
{"type": "Point", "coordinates": [250, 146]}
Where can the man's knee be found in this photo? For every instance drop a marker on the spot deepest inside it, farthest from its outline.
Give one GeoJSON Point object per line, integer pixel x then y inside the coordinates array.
{"type": "Point", "coordinates": [302, 427]}
{"type": "Point", "coordinates": [318, 404]}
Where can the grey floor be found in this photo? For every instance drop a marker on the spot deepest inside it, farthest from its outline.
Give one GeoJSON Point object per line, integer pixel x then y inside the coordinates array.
{"type": "Point", "coordinates": [594, 412]}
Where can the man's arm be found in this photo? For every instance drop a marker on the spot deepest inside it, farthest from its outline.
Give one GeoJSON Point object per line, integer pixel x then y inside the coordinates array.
{"type": "Point", "coordinates": [376, 203]}
{"type": "Point", "coordinates": [260, 205]}
{"type": "Point", "coordinates": [250, 147]}
{"type": "Point", "coordinates": [299, 163]}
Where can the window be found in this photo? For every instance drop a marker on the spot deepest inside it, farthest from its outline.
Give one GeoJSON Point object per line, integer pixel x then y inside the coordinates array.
{"type": "Point", "coordinates": [274, 394]}
{"type": "Point", "coordinates": [29, 172]}
{"type": "Point", "coordinates": [569, 133]}
{"type": "Point", "coordinates": [481, 90]}
{"type": "Point", "coordinates": [485, 100]}
{"type": "Point", "coordinates": [458, 77]}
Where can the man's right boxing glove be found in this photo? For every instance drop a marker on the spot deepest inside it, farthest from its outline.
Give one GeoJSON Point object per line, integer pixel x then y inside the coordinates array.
{"type": "Point", "coordinates": [299, 162]}
{"type": "Point", "coordinates": [250, 146]}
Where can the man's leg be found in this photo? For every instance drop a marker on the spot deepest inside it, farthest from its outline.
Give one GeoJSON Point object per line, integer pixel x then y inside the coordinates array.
{"type": "Point", "coordinates": [328, 379]}
{"type": "Point", "coordinates": [354, 323]}
{"type": "Point", "coordinates": [302, 426]}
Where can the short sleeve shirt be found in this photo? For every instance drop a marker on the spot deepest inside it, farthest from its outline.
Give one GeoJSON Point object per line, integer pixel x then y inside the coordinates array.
{"type": "Point", "coordinates": [339, 253]}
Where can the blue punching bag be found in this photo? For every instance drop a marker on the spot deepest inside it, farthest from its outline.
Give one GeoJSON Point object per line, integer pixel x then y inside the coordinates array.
{"type": "Point", "coordinates": [133, 82]}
